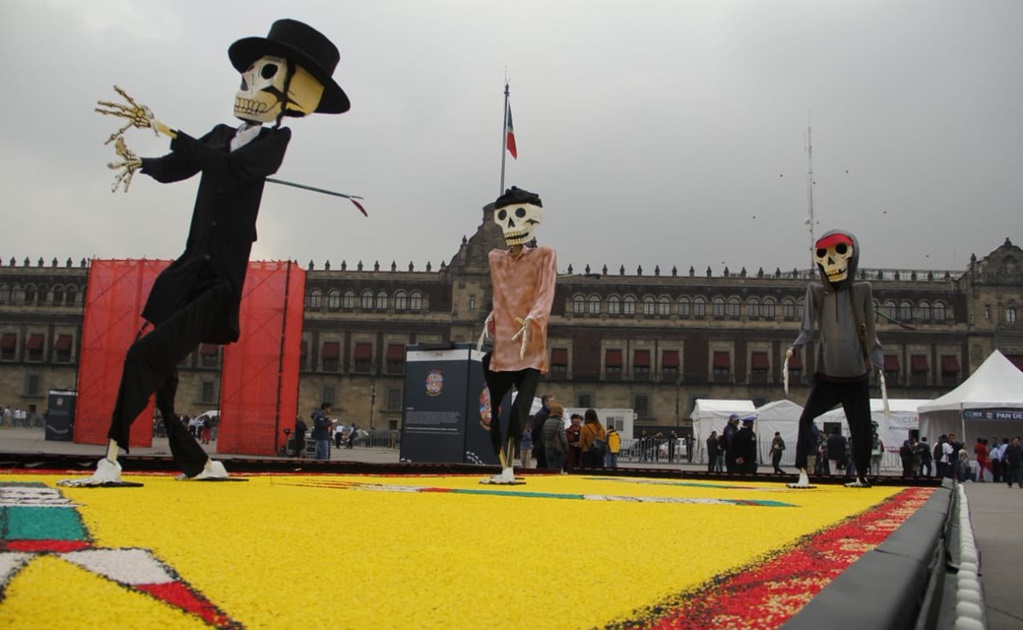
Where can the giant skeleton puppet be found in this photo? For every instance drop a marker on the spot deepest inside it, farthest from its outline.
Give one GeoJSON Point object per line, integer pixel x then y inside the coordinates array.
{"type": "Point", "coordinates": [847, 350]}
{"type": "Point", "coordinates": [197, 298]}
{"type": "Point", "coordinates": [522, 278]}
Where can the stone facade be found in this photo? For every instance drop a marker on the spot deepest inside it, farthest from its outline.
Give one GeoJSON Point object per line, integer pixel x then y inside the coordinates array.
{"type": "Point", "coordinates": [651, 341]}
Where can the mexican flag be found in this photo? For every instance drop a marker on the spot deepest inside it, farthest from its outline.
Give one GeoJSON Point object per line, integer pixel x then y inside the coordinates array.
{"type": "Point", "coordinates": [509, 135]}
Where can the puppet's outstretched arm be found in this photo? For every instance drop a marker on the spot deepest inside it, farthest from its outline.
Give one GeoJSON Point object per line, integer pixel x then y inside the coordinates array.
{"type": "Point", "coordinates": [486, 334]}
{"type": "Point", "coordinates": [524, 333]}
{"type": "Point", "coordinates": [138, 116]}
{"type": "Point", "coordinates": [127, 166]}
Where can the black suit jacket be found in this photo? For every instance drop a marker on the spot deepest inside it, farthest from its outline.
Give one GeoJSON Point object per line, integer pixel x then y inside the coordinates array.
{"type": "Point", "coordinates": [223, 221]}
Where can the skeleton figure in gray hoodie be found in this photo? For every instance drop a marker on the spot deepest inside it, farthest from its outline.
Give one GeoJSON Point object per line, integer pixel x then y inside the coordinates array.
{"type": "Point", "coordinates": [842, 310]}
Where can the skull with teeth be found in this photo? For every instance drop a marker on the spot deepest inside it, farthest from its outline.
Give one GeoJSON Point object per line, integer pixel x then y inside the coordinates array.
{"type": "Point", "coordinates": [833, 254]}
{"type": "Point", "coordinates": [262, 96]}
{"type": "Point", "coordinates": [518, 212]}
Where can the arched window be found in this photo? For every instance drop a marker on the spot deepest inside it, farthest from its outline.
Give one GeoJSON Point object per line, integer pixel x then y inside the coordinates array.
{"type": "Point", "coordinates": [905, 311]}
{"type": "Point", "coordinates": [685, 307]}
{"type": "Point", "coordinates": [648, 305]}
{"type": "Point", "coordinates": [415, 301]}
{"type": "Point", "coordinates": [348, 301]}
{"type": "Point", "coordinates": [400, 301]}
{"type": "Point", "coordinates": [753, 307]}
{"type": "Point", "coordinates": [733, 307]}
{"type": "Point", "coordinates": [614, 305]}
{"type": "Point", "coordinates": [630, 305]}
{"type": "Point", "coordinates": [578, 304]}
{"type": "Point", "coordinates": [788, 308]}
{"type": "Point", "coordinates": [593, 307]}
{"type": "Point", "coordinates": [718, 306]}
{"type": "Point", "coordinates": [5, 294]}
{"type": "Point", "coordinates": [1010, 315]}
{"type": "Point", "coordinates": [41, 294]}
{"type": "Point", "coordinates": [769, 308]}
{"type": "Point", "coordinates": [801, 306]}
{"type": "Point", "coordinates": [922, 311]}
{"type": "Point", "coordinates": [938, 313]}
{"type": "Point", "coordinates": [889, 309]}
{"type": "Point", "coordinates": [334, 299]}
{"type": "Point", "coordinates": [71, 295]}
{"type": "Point", "coordinates": [315, 298]}
{"type": "Point", "coordinates": [700, 307]}
{"type": "Point", "coordinates": [30, 294]}
{"type": "Point", "coordinates": [382, 301]}
{"type": "Point", "coordinates": [367, 299]}
{"type": "Point", "coordinates": [663, 306]}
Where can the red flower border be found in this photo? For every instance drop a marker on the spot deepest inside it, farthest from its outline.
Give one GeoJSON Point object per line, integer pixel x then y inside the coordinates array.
{"type": "Point", "coordinates": [780, 585]}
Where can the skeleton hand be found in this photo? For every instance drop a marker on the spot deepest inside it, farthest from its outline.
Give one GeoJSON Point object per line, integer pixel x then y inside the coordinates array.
{"type": "Point", "coordinates": [486, 332]}
{"type": "Point", "coordinates": [524, 333]}
{"type": "Point", "coordinates": [128, 166]}
{"type": "Point", "coordinates": [138, 116]}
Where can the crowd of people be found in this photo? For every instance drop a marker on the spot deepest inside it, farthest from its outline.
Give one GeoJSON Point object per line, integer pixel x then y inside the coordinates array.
{"type": "Point", "coordinates": [326, 433]}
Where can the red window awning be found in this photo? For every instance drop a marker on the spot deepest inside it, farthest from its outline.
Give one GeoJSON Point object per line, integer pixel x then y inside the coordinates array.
{"type": "Point", "coordinates": [9, 341]}
{"type": "Point", "coordinates": [669, 359]}
{"type": "Point", "coordinates": [559, 356]}
{"type": "Point", "coordinates": [63, 343]}
{"type": "Point", "coordinates": [891, 363]}
{"type": "Point", "coordinates": [796, 361]}
{"type": "Point", "coordinates": [35, 342]}
{"type": "Point", "coordinates": [758, 361]}
{"type": "Point", "coordinates": [949, 364]}
{"type": "Point", "coordinates": [613, 358]}
{"type": "Point", "coordinates": [331, 350]}
{"type": "Point", "coordinates": [918, 363]}
{"type": "Point", "coordinates": [641, 358]}
{"type": "Point", "coordinates": [396, 352]}
{"type": "Point", "coordinates": [722, 361]}
{"type": "Point", "coordinates": [209, 349]}
{"type": "Point", "coordinates": [363, 351]}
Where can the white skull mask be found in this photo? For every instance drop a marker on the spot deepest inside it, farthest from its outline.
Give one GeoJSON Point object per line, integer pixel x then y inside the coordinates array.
{"type": "Point", "coordinates": [262, 98]}
{"type": "Point", "coordinates": [518, 222]}
{"type": "Point", "coordinates": [833, 254]}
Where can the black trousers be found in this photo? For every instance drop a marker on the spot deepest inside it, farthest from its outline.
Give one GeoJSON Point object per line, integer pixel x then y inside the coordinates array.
{"type": "Point", "coordinates": [855, 399]}
{"type": "Point", "coordinates": [150, 366]}
{"type": "Point", "coordinates": [499, 384]}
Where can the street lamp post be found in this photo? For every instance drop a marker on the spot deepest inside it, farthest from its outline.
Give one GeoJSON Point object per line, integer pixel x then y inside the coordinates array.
{"type": "Point", "coordinates": [372, 402]}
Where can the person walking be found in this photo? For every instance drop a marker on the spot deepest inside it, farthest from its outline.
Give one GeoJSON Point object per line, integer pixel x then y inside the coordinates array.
{"type": "Point", "coordinates": [777, 448]}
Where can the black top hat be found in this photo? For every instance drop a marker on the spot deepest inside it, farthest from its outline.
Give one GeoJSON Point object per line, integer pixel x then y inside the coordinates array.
{"type": "Point", "coordinates": [303, 45]}
{"type": "Point", "coordinates": [515, 195]}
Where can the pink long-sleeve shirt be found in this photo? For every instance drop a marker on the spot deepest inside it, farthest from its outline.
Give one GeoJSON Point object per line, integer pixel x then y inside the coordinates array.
{"type": "Point", "coordinates": [523, 286]}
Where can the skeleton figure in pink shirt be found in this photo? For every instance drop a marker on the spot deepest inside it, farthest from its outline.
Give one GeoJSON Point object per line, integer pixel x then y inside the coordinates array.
{"type": "Point", "coordinates": [523, 280]}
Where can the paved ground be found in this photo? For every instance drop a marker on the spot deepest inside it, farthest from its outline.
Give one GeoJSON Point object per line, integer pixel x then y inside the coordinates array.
{"type": "Point", "coordinates": [995, 509]}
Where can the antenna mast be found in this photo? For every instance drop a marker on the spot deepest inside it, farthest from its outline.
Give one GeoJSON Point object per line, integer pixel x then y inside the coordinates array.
{"type": "Point", "coordinates": [809, 189]}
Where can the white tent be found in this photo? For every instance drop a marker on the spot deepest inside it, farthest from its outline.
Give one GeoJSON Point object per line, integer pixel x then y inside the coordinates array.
{"type": "Point", "coordinates": [781, 416]}
{"type": "Point", "coordinates": [989, 403]}
{"type": "Point", "coordinates": [893, 430]}
{"type": "Point", "coordinates": [712, 415]}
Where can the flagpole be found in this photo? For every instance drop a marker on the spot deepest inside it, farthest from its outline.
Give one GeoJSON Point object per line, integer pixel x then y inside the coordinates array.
{"type": "Point", "coordinates": [504, 137]}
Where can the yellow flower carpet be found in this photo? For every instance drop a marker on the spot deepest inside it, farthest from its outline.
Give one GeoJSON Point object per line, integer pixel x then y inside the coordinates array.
{"type": "Point", "coordinates": [346, 551]}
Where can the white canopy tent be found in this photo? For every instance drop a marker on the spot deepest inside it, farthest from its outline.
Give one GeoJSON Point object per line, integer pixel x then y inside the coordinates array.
{"type": "Point", "coordinates": [712, 415]}
{"type": "Point", "coordinates": [781, 416]}
{"type": "Point", "coordinates": [989, 403]}
{"type": "Point", "coordinates": [893, 430]}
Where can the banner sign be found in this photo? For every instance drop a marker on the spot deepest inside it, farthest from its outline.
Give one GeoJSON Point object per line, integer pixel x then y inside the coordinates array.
{"type": "Point", "coordinates": [993, 414]}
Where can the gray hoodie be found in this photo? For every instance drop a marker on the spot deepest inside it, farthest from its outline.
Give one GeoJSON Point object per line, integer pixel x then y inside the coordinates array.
{"type": "Point", "coordinates": [844, 313]}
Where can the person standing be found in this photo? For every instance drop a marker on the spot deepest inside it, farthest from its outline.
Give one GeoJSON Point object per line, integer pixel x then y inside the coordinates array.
{"type": "Point", "coordinates": [997, 465]}
{"type": "Point", "coordinates": [837, 445]}
{"type": "Point", "coordinates": [713, 452]}
{"type": "Point", "coordinates": [555, 438]}
{"type": "Point", "coordinates": [614, 445]}
{"type": "Point", "coordinates": [923, 449]}
{"type": "Point", "coordinates": [745, 446]}
{"type": "Point", "coordinates": [1012, 461]}
{"type": "Point", "coordinates": [672, 445]}
{"type": "Point", "coordinates": [592, 440]}
{"type": "Point", "coordinates": [537, 421]}
{"type": "Point", "coordinates": [321, 431]}
{"type": "Point", "coordinates": [573, 432]}
{"type": "Point", "coordinates": [728, 439]}
{"type": "Point", "coordinates": [777, 448]}
{"type": "Point", "coordinates": [526, 445]}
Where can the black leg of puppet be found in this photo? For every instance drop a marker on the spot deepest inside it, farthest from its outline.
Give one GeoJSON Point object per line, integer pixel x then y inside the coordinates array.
{"type": "Point", "coordinates": [856, 403]}
{"type": "Point", "coordinates": [498, 386]}
{"type": "Point", "coordinates": [187, 453]}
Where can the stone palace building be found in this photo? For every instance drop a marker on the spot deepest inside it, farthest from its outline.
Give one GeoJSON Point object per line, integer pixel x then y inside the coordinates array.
{"type": "Point", "coordinates": [650, 340]}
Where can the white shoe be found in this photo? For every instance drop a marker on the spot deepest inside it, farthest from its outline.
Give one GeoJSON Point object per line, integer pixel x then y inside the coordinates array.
{"type": "Point", "coordinates": [212, 470]}
{"type": "Point", "coordinates": [506, 478]}
{"type": "Point", "coordinates": [804, 480]}
{"type": "Point", "coordinates": [861, 482]}
{"type": "Point", "coordinates": [107, 472]}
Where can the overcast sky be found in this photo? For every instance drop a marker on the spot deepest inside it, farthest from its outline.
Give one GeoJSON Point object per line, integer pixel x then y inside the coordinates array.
{"type": "Point", "coordinates": [656, 133]}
